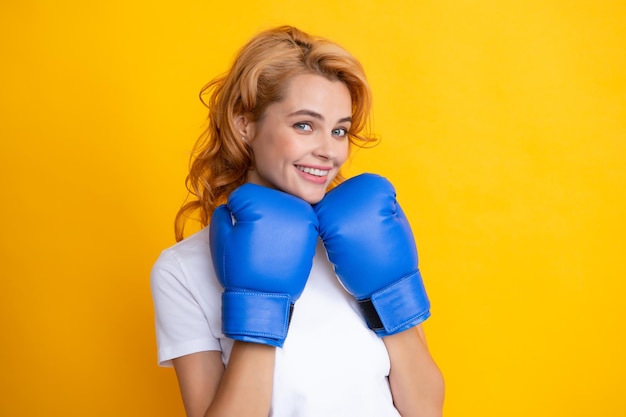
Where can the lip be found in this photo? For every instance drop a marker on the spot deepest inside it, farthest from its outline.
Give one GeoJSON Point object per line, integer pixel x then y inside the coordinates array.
{"type": "Point", "coordinates": [317, 179]}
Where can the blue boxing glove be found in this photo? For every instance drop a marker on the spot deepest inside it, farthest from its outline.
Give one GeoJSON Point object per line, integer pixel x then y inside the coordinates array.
{"type": "Point", "coordinates": [262, 243]}
{"type": "Point", "coordinates": [370, 243]}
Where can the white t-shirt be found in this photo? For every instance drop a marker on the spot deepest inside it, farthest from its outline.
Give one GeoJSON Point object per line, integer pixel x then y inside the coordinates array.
{"type": "Point", "coordinates": [331, 363]}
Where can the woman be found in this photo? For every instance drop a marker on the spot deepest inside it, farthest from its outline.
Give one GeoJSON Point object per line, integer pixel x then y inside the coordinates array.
{"type": "Point", "coordinates": [249, 310]}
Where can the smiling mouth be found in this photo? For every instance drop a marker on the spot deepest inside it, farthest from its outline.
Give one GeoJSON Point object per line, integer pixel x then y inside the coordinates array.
{"type": "Point", "coordinates": [313, 171]}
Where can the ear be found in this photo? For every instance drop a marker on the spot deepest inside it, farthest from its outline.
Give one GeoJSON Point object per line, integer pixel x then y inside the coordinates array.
{"type": "Point", "coordinates": [245, 127]}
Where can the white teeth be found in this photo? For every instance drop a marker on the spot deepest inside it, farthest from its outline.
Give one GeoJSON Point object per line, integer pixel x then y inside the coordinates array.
{"type": "Point", "coordinates": [313, 171]}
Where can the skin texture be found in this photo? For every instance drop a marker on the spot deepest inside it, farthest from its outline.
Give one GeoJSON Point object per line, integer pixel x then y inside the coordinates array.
{"type": "Point", "coordinates": [307, 130]}
{"type": "Point", "coordinates": [416, 383]}
{"type": "Point", "coordinates": [209, 389]}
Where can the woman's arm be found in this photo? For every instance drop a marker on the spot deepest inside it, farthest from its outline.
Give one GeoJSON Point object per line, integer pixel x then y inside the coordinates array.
{"type": "Point", "coordinates": [243, 388]}
{"type": "Point", "coordinates": [416, 383]}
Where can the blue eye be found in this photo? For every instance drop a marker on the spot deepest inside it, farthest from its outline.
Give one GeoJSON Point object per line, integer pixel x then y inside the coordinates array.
{"type": "Point", "coordinates": [304, 126]}
{"type": "Point", "coordinates": [340, 131]}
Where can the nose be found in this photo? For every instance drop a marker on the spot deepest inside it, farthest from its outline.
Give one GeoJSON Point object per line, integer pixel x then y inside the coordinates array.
{"type": "Point", "coordinates": [328, 147]}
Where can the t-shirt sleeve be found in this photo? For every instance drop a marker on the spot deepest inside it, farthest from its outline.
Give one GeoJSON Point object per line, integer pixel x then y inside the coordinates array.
{"type": "Point", "coordinates": [181, 325]}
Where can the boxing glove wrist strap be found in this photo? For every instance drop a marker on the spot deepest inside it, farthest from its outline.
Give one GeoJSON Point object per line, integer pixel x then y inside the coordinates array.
{"type": "Point", "coordinates": [401, 305]}
{"type": "Point", "coordinates": [245, 312]}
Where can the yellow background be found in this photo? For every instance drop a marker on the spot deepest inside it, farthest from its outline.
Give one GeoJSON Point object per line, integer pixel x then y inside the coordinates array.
{"type": "Point", "coordinates": [503, 126]}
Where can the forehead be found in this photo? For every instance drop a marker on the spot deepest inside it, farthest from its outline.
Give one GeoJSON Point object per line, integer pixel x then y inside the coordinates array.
{"type": "Point", "coordinates": [316, 93]}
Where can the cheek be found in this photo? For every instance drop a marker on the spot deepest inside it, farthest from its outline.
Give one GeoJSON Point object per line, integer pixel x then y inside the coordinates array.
{"type": "Point", "coordinates": [343, 152]}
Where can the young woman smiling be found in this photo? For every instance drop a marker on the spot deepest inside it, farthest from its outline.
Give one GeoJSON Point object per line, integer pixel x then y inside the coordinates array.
{"type": "Point", "coordinates": [293, 300]}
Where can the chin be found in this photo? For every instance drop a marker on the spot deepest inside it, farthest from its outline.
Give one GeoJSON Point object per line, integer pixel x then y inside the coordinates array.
{"type": "Point", "coordinates": [311, 198]}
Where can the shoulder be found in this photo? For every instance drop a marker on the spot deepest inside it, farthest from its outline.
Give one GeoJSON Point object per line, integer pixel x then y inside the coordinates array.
{"type": "Point", "coordinates": [187, 255]}
{"type": "Point", "coordinates": [185, 266]}
{"type": "Point", "coordinates": [193, 247]}
{"type": "Point", "coordinates": [186, 296]}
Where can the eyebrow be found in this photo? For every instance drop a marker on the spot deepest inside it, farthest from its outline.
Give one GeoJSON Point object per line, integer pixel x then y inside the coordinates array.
{"type": "Point", "coordinates": [316, 115]}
